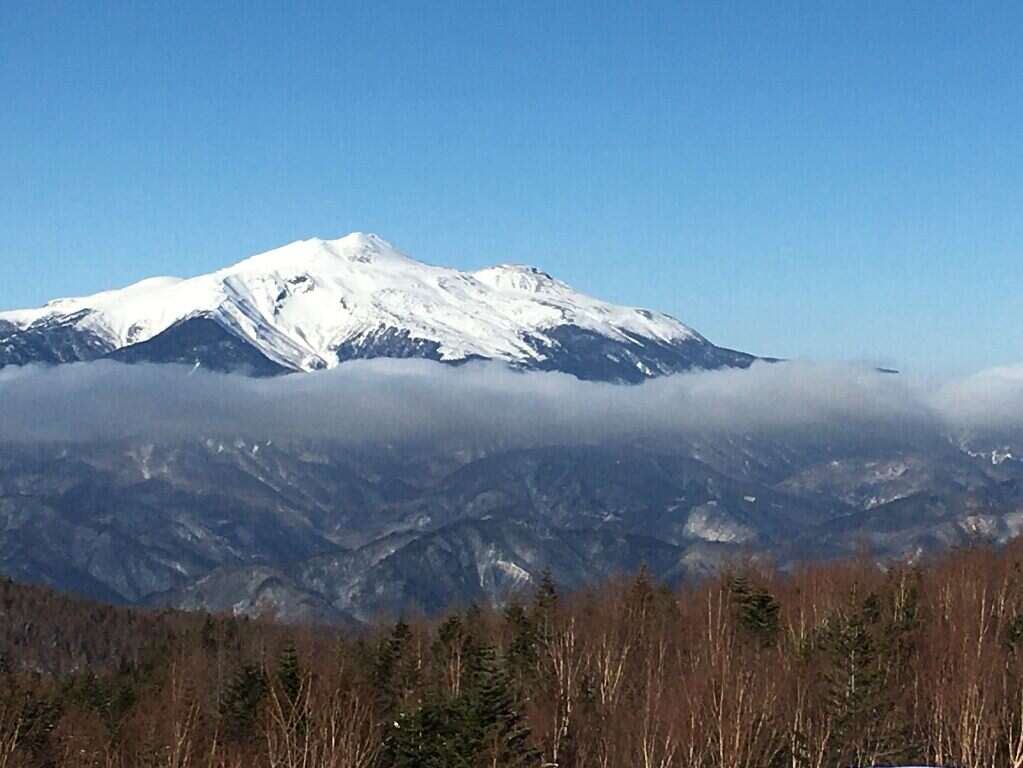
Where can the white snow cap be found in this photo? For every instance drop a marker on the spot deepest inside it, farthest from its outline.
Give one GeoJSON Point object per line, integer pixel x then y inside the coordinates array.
{"type": "Point", "coordinates": [300, 302]}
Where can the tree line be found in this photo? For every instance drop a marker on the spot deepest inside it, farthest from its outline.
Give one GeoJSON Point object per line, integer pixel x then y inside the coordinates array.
{"type": "Point", "coordinates": [845, 664]}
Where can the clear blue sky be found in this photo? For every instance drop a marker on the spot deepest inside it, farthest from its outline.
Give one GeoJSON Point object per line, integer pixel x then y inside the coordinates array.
{"type": "Point", "coordinates": [827, 180]}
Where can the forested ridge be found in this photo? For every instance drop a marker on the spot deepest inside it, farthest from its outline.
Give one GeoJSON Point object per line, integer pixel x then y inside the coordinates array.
{"type": "Point", "coordinates": [847, 664]}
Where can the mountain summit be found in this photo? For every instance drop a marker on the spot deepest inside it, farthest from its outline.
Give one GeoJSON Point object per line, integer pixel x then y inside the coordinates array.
{"type": "Point", "coordinates": [314, 304]}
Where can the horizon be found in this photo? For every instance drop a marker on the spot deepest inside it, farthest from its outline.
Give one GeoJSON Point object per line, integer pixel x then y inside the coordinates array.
{"type": "Point", "coordinates": [793, 182]}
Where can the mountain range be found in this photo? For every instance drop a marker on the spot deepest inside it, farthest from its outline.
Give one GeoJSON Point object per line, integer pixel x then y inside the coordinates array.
{"type": "Point", "coordinates": [315, 304]}
{"type": "Point", "coordinates": [330, 530]}
{"type": "Point", "coordinates": [319, 531]}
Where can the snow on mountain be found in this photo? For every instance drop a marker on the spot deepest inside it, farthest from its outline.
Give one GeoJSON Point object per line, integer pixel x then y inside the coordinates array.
{"type": "Point", "coordinates": [313, 303]}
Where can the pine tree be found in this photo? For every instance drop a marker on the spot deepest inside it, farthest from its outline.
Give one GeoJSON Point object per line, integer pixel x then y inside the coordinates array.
{"type": "Point", "coordinates": [521, 654]}
{"type": "Point", "coordinates": [545, 604]}
{"type": "Point", "coordinates": [855, 690]}
{"type": "Point", "coordinates": [1014, 633]}
{"type": "Point", "coordinates": [895, 622]}
{"type": "Point", "coordinates": [39, 716]}
{"type": "Point", "coordinates": [241, 702]}
{"type": "Point", "coordinates": [208, 635]}
{"type": "Point", "coordinates": [289, 674]}
{"type": "Point", "coordinates": [503, 735]}
{"type": "Point", "coordinates": [473, 620]}
{"type": "Point", "coordinates": [756, 610]}
{"type": "Point", "coordinates": [481, 727]}
{"type": "Point", "coordinates": [392, 677]}
{"type": "Point", "coordinates": [407, 741]}
{"type": "Point", "coordinates": [451, 631]}
{"type": "Point", "coordinates": [641, 599]}
{"type": "Point", "coordinates": [546, 598]}
{"type": "Point", "coordinates": [390, 653]}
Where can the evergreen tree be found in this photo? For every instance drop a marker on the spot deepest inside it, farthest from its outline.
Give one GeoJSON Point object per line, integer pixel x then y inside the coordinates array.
{"type": "Point", "coordinates": [852, 679]}
{"type": "Point", "coordinates": [855, 692]}
{"type": "Point", "coordinates": [39, 717]}
{"type": "Point", "coordinates": [872, 608]}
{"type": "Point", "coordinates": [473, 620]}
{"type": "Point", "coordinates": [108, 698]}
{"type": "Point", "coordinates": [521, 654]}
{"type": "Point", "coordinates": [480, 728]}
{"type": "Point", "coordinates": [407, 742]}
{"type": "Point", "coordinates": [241, 701]}
{"type": "Point", "coordinates": [390, 653]}
{"type": "Point", "coordinates": [1014, 633]}
{"type": "Point", "coordinates": [503, 735]}
{"type": "Point", "coordinates": [452, 631]}
{"type": "Point", "coordinates": [546, 598]}
{"type": "Point", "coordinates": [895, 623]}
{"type": "Point", "coordinates": [208, 635]}
{"type": "Point", "coordinates": [756, 610]}
{"type": "Point", "coordinates": [545, 603]}
{"type": "Point", "coordinates": [392, 675]}
{"type": "Point", "coordinates": [643, 600]}
{"type": "Point", "coordinates": [289, 674]}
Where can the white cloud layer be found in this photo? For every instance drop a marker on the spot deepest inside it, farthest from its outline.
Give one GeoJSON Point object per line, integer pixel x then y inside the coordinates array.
{"type": "Point", "coordinates": [391, 401]}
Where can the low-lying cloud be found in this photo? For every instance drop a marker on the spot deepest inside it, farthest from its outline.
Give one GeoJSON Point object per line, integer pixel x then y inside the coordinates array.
{"type": "Point", "coordinates": [391, 401]}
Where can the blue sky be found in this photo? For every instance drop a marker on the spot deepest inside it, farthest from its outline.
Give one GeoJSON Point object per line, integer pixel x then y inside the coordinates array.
{"type": "Point", "coordinates": [826, 180]}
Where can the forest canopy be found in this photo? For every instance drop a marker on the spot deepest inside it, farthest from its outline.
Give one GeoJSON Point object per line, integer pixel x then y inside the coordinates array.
{"type": "Point", "coordinates": [847, 664]}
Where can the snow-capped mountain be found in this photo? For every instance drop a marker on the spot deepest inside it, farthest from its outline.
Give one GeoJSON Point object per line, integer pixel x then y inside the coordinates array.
{"type": "Point", "coordinates": [315, 303]}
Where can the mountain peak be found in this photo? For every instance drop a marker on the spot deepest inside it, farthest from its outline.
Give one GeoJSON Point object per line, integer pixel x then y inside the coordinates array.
{"type": "Point", "coordinates": [316, 303]}
{"type": "Point", "coordinates": [357, 244]}
{"type": "Point", "coordinates": [364, 247]}
{"type": "Point", "coordinates": [521, 278]}
{"type": "Point", "coordinates": [317, 254]}
{"type": "Point", "coordinates": [363, 240]}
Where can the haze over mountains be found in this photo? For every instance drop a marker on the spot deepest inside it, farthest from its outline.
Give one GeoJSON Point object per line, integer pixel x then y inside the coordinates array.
{"type": "Point", "coordinates": [151, 451]}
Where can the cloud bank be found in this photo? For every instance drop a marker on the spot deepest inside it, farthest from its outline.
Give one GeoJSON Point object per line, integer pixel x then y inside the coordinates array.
{"type": "Point", "coordinates": [393, 401]}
